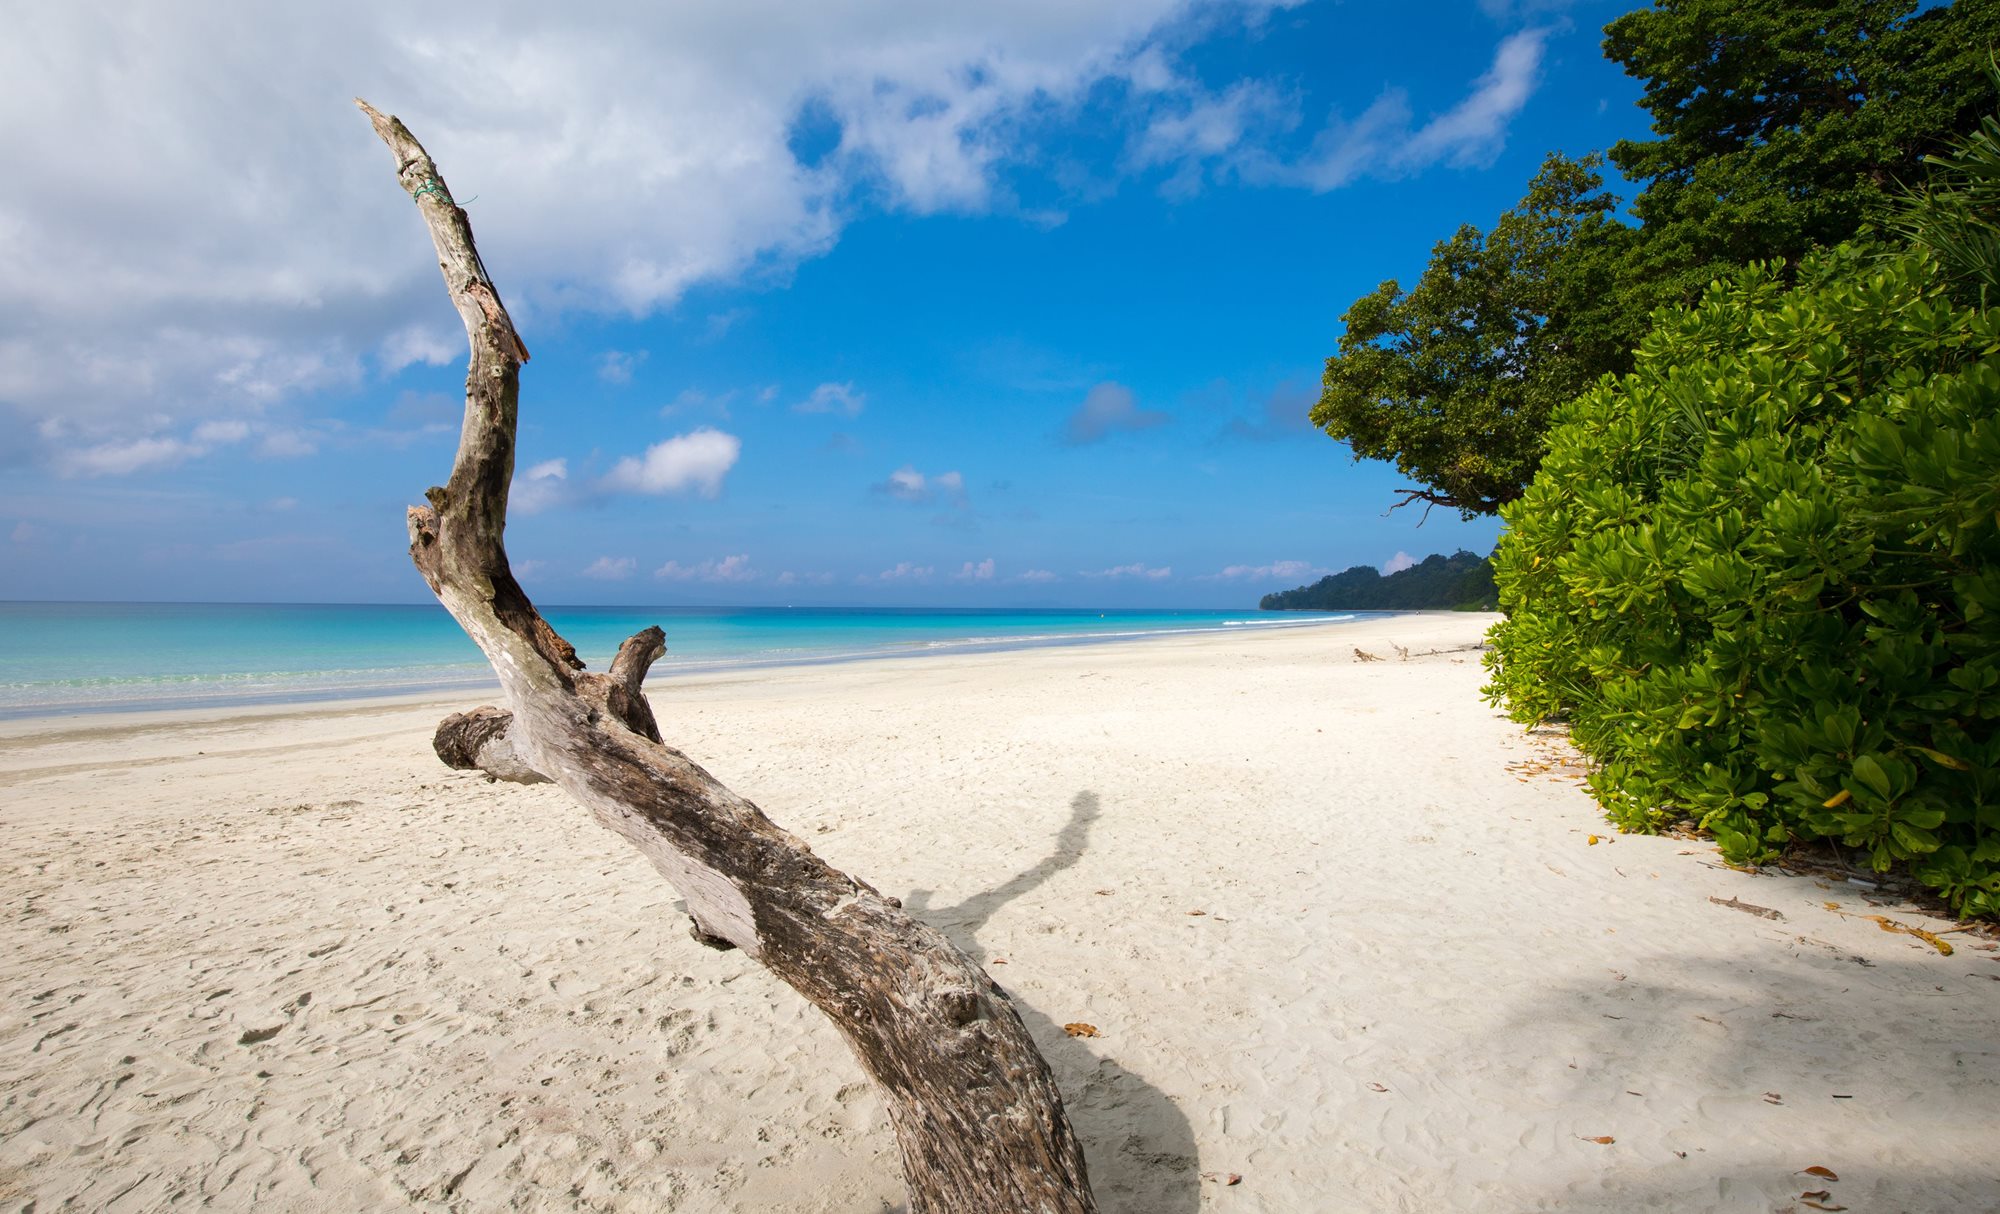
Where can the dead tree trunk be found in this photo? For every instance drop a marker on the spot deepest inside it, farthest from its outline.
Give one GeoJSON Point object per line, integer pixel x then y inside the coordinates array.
{"type": "Point", "coordinates": [976, 1112]}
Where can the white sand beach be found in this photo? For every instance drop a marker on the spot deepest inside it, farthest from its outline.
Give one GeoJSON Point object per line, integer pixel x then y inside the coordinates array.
{"type": "Point", "coordinates": [1342, 930]}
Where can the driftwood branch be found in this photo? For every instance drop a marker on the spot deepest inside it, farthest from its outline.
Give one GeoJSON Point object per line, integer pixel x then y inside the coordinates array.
{"type": "Point", "coordinates": [976, 1112]}
{"type": "Point", "coordinates": [483, 740]}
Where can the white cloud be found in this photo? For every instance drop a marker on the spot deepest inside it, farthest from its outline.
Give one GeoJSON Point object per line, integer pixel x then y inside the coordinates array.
{"type": "Point", "coordinates": [1263, 573]}
{"type": "Point", "coordinates": [121, 458]}
{"type": "Point", "coordinates": [697, 460]}
{"type": "Point", "coordinates": [1397, 563]}
{"type": "Point", "coordinates": [611, 568]}
{"type": "Point", "coordinates": [212, 224]}
{"type": "Point", "coordinates": [833, 398]}
{"type": "Point", "coordinates": [1107, 409]}
{"type": "Point", "coordinates": [909, 485]}
{"type": "Point", "coordinates": [1383, 143]}
{"type": "Point", "coordinates": [216, 195]}
{"type": "Point", "coordinates": [539, 487]}
{"type": "Point", "coordinates": [981, 572]}
{"type": "Point", "coordinates": [1211, 128]}
{"type": "Point", "coordinates": [728, 569]}
{"type": "Point", "coordinates": [1036, 575]}
{"type": "Point", "coordinates": [25, 533]}
{"type": "Point", "coordinates": [616, 366]}
{"type": "Point", "coordinates": [420, 344]}
{"type": "Point", "coordinates": [1134, 570]}
{"type": "Point", "coordinates": [906, 572]}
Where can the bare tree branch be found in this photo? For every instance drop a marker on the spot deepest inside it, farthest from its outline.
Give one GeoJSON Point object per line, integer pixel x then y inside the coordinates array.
{"type": "Point", "coordinates": [977, 1115]}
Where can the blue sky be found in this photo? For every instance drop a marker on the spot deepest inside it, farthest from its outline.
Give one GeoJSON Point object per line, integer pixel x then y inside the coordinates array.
{"type": "Point", "coordinates": [888, 304]}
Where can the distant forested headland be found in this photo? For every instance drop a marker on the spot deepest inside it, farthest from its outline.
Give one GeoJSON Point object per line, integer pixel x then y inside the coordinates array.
{"type": "Point", "coordinates": [1459, 582]}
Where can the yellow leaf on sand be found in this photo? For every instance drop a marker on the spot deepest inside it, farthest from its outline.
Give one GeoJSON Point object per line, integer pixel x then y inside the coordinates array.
{"type": "Point", "coordinates": [1890, 925]}
{"type": "Point", "coordinates": [1822, 1173]}
{"type": "Point", "coordinates": [1603, 1140]}
{"type": "Point", "coordinates": [1593, 840]}
{"type": "Point", "coordinates": [1080, 1029]}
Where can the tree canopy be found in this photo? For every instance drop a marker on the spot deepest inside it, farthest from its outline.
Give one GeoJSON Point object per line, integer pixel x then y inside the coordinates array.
{"type": "Point", "coordinates": [1454, 378]}
{"type": "Point", "coordinates": [1779, 126]}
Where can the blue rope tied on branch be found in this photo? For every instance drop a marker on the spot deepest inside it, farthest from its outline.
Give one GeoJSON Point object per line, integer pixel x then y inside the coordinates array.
{"type": "Point", "coordinates": [435, 189]}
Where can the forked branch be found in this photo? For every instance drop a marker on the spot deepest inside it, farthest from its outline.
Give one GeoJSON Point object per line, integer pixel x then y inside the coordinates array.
{"type": "Point", "coordinates": [977, 1116]}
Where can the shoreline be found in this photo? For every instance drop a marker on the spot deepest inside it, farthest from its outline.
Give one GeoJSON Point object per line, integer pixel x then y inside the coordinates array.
{"type": "Point", "coordinates": [1339, 926]}
{"type": "Point", "coordinates": [343, 699]}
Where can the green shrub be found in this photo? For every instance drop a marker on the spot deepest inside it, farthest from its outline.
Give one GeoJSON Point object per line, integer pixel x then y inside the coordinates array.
{"type": "Point", "coordinates": [1758, 575]}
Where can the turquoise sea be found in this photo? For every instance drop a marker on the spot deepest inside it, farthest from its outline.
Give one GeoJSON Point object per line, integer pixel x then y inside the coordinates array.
{"type": "Point", "coordinates": [109, 657]}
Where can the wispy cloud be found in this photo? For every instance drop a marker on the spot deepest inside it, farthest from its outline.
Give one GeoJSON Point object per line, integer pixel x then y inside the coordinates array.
{"type": "Point", "coordinates": [906, 571]}
{"type": "Point", "coordinates": [1384, 142]}
{"type": "Point", "coordinates": [728, 569]}
{"type": "Point", "coordinates": [1109, 408]}
{"type": "Point", "coordinates": [1285, 413]}
{"type": "Point", "coordinates": [414, 344]}
{"type": "Point", "coordinates": [833, 398]}
{"type": "Point", "coordinates": [906, 484]}
{"type": "Point", "coordinates": [792, 578]}
{"type": "Point", "coordinates": [1276, 570]}
{"type": "Point", "coordinates": [980, 572]}
{"type": "Point", "coordinates": [617, 366]}
{"type": "Point", "coordinates": [1137, 570]}
{"type": "Point", "coordinates": [610, 568]}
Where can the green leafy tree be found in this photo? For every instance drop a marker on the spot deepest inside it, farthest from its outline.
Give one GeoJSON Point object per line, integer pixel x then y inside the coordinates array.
{"type": "Point", "coordinates": [1779, 126]}
{"type": "Point", "coordinates": [1760, 575]}
{"type": "Point", "coordinates": [1454, 379]}
{"type": "Point", "coordinates": [1782, 125]}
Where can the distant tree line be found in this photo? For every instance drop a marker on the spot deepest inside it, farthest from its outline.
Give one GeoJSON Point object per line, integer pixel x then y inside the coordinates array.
{"type": "Point", "coordinates": [1459, 582]}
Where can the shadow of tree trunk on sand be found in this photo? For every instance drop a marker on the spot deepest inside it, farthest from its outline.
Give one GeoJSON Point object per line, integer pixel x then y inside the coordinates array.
{"type": "Point", "coordinates": [1138, 1143]}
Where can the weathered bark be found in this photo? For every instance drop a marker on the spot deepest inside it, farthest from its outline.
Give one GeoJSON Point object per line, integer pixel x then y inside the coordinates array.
{"type": "Point", "coordinates": [483, 740]}
{"type": "Point", "coordinates": [976, 1112]}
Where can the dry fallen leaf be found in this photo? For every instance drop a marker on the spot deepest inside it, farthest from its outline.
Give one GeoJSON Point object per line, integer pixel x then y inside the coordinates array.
{"type": "Point", "coordinates": [1822, 1173]}
{"type": "Point", "coordinates": [1376, 1087]}
{"type": "Point", "coordinates": [1890, 925]}
{"type": "Point", "coordinates": [1815, 1205]}
{"type": "Point", "coordinates": [1227, 1178]}
{"type": "Point", "coordinates": [1815, 1195]}
{"type": "Point", "coordinates": [999, 961]}
{"type": "Point", "coordinates": [1603, 1140]}
{"type": "Point", "coordinates": [1773, 1098]}
{"type": "Point", "coordinates": [1197, 912]}
{"type": "Point", "coordinates": [1080, 1029]}
{"type": "Point", "coordinates": [1592, 840]}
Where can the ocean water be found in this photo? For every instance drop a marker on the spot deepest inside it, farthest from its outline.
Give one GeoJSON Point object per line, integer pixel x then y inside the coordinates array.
{"type": "Point", "coordinates": [58, 658]}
